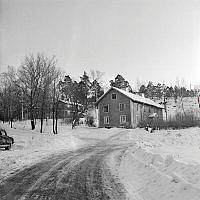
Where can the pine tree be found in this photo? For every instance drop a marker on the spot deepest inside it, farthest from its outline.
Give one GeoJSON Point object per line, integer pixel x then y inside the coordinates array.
{"type": "Point", "coordinates": [158, 91]}
{"type": "Point", "coordinates": [67, 88]}
{"type": "Point", "coordinates": [143, 90]}
{"type": "Point", "coordinates": [96, 91]}
{"type": "Point", "coordinates": [85, 79]}
{"type": "Point", "coordinates": [150, 90]}
{"type": "Point", "coordinates": [120, 83]}
{"type": "Point", "coordinates": [83, 92]}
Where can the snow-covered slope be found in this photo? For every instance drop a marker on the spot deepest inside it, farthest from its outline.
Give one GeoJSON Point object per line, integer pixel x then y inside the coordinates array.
{"type": "Point", "coordinates": [163, 165]}
{"type": "Point", "coordinates": [189, 105]}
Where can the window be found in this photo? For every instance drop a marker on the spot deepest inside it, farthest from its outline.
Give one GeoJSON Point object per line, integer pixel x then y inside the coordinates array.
{"type": "Point", "coordinates": [106, 108]}
{"type": "Point", "coordinates": [138, 106]}
{"type": "Point", "coordinates": [149, 109]}
{"type": "Point", "coordinates": [122, 119]}
{"type": "Point", "coordinates": [137, 119]}
{"type": "Point", "coordinates": [106, 120]}
{"type": "Point", "coordinates": [121, 107]}
{"type": "Point", "coordinates": [114, 96]}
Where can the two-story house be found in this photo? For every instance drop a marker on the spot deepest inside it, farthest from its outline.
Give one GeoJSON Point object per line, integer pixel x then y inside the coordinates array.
{"type": "Point", "coordinates": [117, 108]}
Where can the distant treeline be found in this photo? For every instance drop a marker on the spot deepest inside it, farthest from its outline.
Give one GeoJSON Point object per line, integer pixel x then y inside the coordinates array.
{"type": "Point", "coordinates": [152, 91]}
{"type": "Point", "coordinates": [161, 90]}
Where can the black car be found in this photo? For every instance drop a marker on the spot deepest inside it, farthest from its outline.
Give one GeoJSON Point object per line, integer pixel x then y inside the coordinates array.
{"type": "Point", "coordinates": [5, 140]}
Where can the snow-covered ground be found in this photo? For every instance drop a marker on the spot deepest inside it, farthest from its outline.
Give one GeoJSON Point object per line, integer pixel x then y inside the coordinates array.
{"type": "Point", "coordinates": [164, 165]}
{"type": "Point", "coordinates": [32, 146]}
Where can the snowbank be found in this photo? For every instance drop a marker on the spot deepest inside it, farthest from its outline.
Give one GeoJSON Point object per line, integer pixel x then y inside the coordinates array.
{"type": "Point", "coordinates": [152, 176]}
{"type": "Point", "coordinates": [163, 165]}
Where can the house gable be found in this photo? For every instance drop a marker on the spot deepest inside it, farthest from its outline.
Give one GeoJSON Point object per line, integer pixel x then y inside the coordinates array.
{"type": "Point", "coordinates": [114, 108]}
{"type": "Point", "coordinates": [133, 97]}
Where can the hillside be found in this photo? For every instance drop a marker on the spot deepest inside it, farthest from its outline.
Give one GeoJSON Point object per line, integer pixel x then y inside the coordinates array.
{"type": "Point", "coordinates": [188, 106]}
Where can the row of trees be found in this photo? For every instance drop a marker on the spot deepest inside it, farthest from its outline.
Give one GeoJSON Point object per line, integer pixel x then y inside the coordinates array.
{"type": "Point", "coordinates": [37, 86]}
{"type": "Point", "coordinates": [29, 89]}
{"type": "Point", "coordinates": [82, 94]}
{"type": "Point", "coordinates": [161, 90]}
{"type": "Point", "coordinates": [34, 91]}
{"type": "Point", "coordinates": [155, 92]}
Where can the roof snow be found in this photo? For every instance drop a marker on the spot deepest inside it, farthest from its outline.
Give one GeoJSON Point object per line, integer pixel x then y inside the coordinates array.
{"type": "Point", "coordinates": [134, 97]}
{"type": "Point", "coordinates": [70, 102]}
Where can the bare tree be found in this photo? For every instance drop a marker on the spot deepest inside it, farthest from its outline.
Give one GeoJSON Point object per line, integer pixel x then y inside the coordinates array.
{"type": "Point", "coordinates": [4, 97]}
{"type": "Point", "coordinates": [56, 97]}
{"type": "Point", "coordinates": [96, 75]}
{"type": "Point", "coordinates": [10, 97]}
{"type": "Point", "coordinates": [32, 74]}
{"type": "Point", "coordinates": [49, 74]}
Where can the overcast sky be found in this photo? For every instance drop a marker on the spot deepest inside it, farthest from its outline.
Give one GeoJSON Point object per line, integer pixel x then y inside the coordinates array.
{"type": "Point", "coordinates": [156, 40]}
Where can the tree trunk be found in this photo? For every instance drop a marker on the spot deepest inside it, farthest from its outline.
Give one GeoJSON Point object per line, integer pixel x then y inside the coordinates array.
{"type": "Point", "coordinates": [32, 124]}
{"type": "Point", "coordinates": [42, 114]}
{"type": "Point", "coordinates": [3, 116]}
{"type": "Point", "coordinates": [32, 119]}
{"type": "Point", "coordinates": [22, 112]}
{"type": "Point", "coordinates": [9, 115]}
{"type": "Point", "coordinates": [41, 119]}
{"type": "Point", "coordinates": [56, 126]}
{"type": "Point", "coordinates": [11, 123]}
{"type": "Point", "coordinates": [53, 117]}
{"type": "Point", "coordinates": [41, 124]}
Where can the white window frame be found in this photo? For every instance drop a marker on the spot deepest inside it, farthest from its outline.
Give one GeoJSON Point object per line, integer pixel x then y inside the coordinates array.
{"type": "Point", "coordinates": [137, 119]}
{"type": "Point", "coordinates": [115, 94]}
{"type": "Point", "coordinates": [122, 121]}
{"type": "Point", "coordinates": [124, 107]}
{"type": "Point", "coordinates": [106, 120]}
{"type": "Point", "coordinates": [108, 108]}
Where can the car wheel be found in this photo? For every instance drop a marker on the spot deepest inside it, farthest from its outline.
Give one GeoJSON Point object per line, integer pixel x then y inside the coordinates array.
{"type": "Point", "coordinates": [7, 148]}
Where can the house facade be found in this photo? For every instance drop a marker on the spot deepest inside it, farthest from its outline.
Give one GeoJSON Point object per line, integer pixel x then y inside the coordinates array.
{"type": "Point", "coordinates": [119, 108]}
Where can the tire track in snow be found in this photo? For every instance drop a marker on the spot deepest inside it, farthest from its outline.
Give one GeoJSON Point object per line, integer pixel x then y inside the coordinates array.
{"type": "Point", "coordinates": [82, 174]}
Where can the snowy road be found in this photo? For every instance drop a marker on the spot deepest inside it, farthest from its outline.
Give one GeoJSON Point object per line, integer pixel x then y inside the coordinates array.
{"type": "Point", "coordinates": [104, 164]}
{"type": "Point", "coordinates": [81, 174]}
